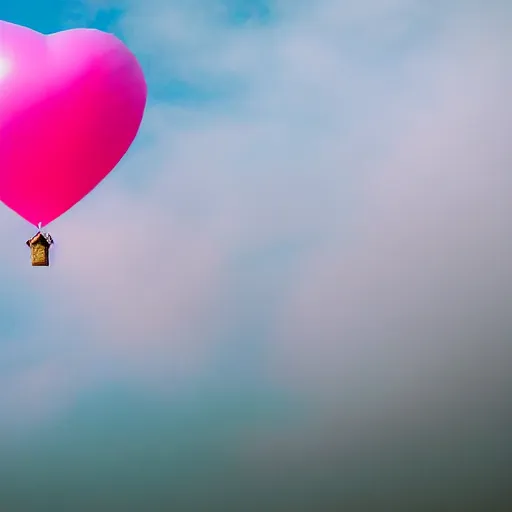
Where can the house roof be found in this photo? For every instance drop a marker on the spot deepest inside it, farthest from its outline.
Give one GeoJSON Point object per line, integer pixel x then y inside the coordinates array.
{"type": "Point", "coordinates": [40, 236]}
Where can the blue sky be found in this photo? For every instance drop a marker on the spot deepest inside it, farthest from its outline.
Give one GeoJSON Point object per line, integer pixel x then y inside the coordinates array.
{"type": "Point", "coordinates": [297, 295]}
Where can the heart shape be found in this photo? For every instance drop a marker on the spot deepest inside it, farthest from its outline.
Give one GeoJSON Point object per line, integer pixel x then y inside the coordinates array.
{"type": "Point", "coordinates": [71, 104]}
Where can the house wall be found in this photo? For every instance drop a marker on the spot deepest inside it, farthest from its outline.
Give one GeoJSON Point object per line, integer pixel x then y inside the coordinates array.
{"type": "Point", "coordinates": [39, 255]}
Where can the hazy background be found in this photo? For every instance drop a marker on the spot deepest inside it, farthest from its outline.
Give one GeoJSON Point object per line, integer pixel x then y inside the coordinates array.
{"type": "Point", "coordinates": [298, 294]}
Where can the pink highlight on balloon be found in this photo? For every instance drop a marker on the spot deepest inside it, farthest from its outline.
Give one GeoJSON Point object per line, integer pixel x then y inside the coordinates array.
{"type": "Point", "coordinates": [71, 104]}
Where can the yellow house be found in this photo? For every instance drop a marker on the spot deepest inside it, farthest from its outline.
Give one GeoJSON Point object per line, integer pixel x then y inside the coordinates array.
{"type": "Point", "coordinates": [40, 249]}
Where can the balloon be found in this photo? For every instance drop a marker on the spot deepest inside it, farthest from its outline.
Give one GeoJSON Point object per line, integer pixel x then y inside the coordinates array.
{"type": "Point", "coordinates": [71, 104]}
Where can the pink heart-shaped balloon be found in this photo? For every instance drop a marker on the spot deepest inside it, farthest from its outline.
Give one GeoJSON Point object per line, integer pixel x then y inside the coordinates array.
{"type": "Point", "coordinates": [71, 104]}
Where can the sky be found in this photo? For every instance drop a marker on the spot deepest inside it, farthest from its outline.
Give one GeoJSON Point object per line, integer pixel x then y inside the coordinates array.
{"type": "Point", "coordinates": [297, 293]}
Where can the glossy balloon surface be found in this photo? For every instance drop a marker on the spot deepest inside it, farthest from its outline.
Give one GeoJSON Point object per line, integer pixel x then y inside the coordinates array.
{"type": "Point", "coordinates": [71, 104]}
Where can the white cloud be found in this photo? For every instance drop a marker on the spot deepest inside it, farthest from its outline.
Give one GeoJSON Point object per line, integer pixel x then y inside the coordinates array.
{"type": "Point", "coordinates": [407, 303]}
{"type": "Point", "coordinates": [375, 144]}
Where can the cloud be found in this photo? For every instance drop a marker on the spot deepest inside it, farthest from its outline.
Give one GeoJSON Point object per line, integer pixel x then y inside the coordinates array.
{"type": "Point", "coordinates": [347, 191]}
{"type": "Point", "coordinates": [329, 226]}
{"type": "Point", "coordinates": [410, 289]}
